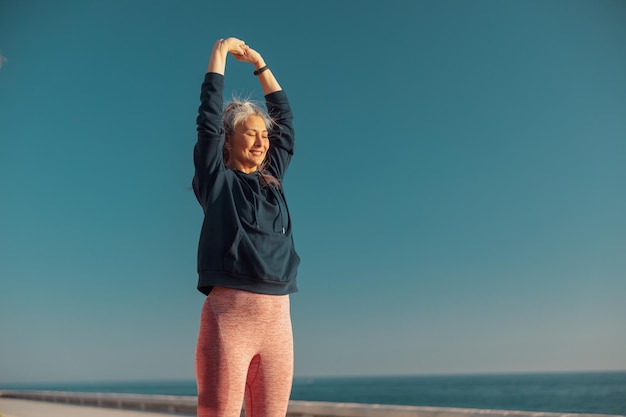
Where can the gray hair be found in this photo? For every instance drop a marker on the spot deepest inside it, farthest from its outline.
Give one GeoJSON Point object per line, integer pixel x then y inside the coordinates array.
{"type": "Point", "coordinates": [238, 110]}
{"type": "Point", "coordinates": [235, 113]}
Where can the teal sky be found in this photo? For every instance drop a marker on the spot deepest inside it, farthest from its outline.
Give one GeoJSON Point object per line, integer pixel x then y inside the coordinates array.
{"type": "Point", "coordinates": [457, 190]}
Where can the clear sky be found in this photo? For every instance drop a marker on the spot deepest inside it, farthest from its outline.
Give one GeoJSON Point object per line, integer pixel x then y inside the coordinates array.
{"type": "Point", "coordinates": [457, 191]}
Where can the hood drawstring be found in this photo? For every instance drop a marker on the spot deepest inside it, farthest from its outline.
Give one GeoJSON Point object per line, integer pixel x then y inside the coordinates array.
{"type": "Point", "coordinates": [256, 209]}
{"type": "Point", "coordinates": [281, 208]}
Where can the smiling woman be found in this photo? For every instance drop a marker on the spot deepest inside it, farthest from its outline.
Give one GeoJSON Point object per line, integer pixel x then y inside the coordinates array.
{"type": "Point", "coordinates": [246, 257]}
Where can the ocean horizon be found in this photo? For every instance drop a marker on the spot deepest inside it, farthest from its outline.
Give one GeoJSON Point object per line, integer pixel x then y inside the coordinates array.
{"type": "Point", "coordinates": [566, 392]}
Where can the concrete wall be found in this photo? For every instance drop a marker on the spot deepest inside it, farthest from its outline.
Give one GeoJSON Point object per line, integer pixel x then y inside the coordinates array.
{"type": "Point", "coordinates": [186, 405]}
{"type": "Point", "coordinates": [162, 403]}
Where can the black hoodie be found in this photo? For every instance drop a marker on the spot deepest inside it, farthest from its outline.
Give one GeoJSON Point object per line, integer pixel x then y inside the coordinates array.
{"type": "Point", "coordinates": [246, 240]}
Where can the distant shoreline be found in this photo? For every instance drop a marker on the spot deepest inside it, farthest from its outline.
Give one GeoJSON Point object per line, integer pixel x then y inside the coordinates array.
{"type": "Point", "coordinates": [299, 378]}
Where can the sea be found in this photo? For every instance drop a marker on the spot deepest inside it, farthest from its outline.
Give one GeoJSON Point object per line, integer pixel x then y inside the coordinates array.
{"type": "Point", "coordinates": [580, 392]}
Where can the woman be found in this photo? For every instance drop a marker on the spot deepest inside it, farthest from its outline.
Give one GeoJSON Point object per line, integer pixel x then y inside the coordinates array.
{"type": "Point", "coordinates": [246, 258]}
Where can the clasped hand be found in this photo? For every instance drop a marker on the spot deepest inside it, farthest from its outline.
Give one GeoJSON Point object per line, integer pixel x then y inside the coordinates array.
{"type": "Point", "coordinates": [239, 50]}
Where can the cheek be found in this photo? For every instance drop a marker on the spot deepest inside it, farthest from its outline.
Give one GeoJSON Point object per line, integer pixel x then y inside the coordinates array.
{"type": "Point", "coordinates": [238, 144]}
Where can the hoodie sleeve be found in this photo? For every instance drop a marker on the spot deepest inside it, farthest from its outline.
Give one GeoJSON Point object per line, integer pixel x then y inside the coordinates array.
{"type": "Point", "coordinates": [207, 154]}
{"type": "Point", "coordinates": [282, 134]}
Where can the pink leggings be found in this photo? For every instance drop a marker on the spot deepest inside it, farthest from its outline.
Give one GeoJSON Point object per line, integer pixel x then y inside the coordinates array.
{"type": "Point", "coordinates": [244, 351]}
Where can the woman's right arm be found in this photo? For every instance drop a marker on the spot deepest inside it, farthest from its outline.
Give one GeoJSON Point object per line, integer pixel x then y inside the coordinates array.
{"type": "Point", "coordinates": [207, 153]}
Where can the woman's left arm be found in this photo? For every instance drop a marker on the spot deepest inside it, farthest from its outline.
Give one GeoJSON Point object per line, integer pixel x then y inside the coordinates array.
{"type": "Point", "coordinates": [282, 133]}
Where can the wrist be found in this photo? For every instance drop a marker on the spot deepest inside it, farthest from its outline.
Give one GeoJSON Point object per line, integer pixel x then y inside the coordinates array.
{"type": "Point", "coordinates": [220, 48]}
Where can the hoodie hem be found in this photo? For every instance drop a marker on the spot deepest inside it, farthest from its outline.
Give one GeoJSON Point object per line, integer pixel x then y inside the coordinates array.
{"type": "Point", "coordinates": [209, 279]}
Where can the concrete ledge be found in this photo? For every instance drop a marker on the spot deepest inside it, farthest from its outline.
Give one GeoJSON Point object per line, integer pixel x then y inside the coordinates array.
{"type": "Point", "coordinates": [186, 405]}
{"type": "Point", "coordinates": [328, 409]}
{"type": "Point", "coordinates": [158, 403]}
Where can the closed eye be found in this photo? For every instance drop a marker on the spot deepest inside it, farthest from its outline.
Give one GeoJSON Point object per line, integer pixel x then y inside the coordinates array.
{"type": "Point", "coordinates": [253, 132]}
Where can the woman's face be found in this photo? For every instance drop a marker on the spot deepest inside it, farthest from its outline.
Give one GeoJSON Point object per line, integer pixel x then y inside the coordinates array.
{"type": "Point", "coordinates": [248, 145]}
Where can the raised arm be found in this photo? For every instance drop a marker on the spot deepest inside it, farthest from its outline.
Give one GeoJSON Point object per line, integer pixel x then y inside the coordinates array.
{"type": "Point", "coordinates": [282, 134]}
{"type": "Point", "coordinates": [242, 52]}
